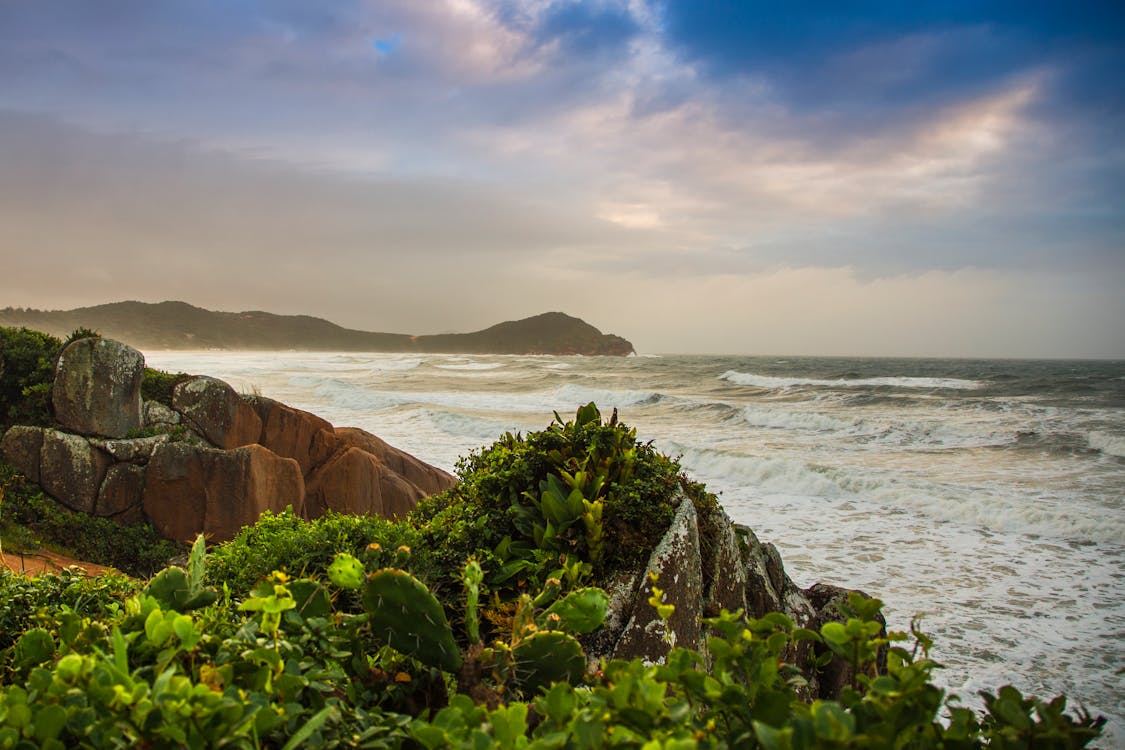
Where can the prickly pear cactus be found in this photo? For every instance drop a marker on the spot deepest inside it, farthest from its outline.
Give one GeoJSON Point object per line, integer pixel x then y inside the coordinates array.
{"type": "Point", "coordinates": [407, 617]}
{"type": "Point", "coordinates": [546, 657]}
{"type": "Point", "coordinates": [578, 612]}
{"type": "Point", "coordinates": [183, 590]}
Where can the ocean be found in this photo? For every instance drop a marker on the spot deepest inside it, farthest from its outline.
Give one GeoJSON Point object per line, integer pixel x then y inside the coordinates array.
{"type": "Point", "coordinates": [986, 495]}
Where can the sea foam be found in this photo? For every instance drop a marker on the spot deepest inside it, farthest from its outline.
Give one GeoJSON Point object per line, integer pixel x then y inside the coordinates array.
{"type": "Point", "coordinates": [767, 381]}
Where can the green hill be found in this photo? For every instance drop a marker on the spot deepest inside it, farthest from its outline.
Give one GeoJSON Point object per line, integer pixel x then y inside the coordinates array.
{"type": "Point", "coordinates": [178, 325]}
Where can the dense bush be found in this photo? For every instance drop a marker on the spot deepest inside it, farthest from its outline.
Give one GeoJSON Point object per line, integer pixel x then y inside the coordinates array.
{"type": "Point", "coordinates": [528, 506]}
{"type": "Point", "coordinates": [27, 365]}
{"type": "Point", "coordinates": [157, 385]}
{"type": "Point", "coordinates": [36, 518]}
{"type": "Point", "coordinates": [26, 602]}
{"type": "Point", "coordinates": [284, 541]}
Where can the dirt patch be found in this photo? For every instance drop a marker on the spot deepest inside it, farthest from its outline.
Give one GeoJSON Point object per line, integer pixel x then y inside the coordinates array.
{"type": "Point", "coordinates": [43, 561]}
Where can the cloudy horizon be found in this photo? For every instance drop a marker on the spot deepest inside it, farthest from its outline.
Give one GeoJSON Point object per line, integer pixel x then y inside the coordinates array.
{"type": "Point", "coordinates": [698, 177]}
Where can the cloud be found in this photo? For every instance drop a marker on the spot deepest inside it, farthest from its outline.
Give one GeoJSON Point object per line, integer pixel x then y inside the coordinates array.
{"type": "Point", "coordinates": [478, 155]}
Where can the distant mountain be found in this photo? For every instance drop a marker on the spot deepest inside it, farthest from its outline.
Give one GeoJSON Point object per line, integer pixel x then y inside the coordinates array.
{"type": "Point", "coordinates": [178, 325]}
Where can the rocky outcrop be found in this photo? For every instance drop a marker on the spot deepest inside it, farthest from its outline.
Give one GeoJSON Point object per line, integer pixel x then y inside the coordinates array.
{"type": "Point", "coordinates": [737, 571]}
{"type": "Point", "coordinates": [122, 494]}
{"type": "Point", "coordinates": [97, 388]}
{"type": "Point", "coordinates": [217, 412]}
{"type": "Point", "coordinates": [217, 460]}
{"type": "Point", "coordinates": [190, 490]}
{"type": "Point", "coordinates": [676, 568]}
{"type": "Point", "coordinates": [426, 478]}
{"type": "Point", "coordinates": [71, 470]}
{"type": "Point", "coordinates": [304, 437]}
{"type": "Point", "coordinates": [355, 481]}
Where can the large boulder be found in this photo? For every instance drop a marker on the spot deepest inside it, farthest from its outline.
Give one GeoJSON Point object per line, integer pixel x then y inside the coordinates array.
{"type": "Point", "coordinates": [71, 470]}
{"type": "Point", "coordinates": [354, 481]}
{"type": "Point", "coordinates": [122, 493]}
{"type": "Point", "coordinates": [429, 479]}
{"type": "Point", "coordinates": [216, 412]}
{"type": "Point", "coordinates": [189, 489]}
{"type": "Point", "coordinates": [304, 437]}
{"type": "Point", "coordinates": [97, 388]}
{"type": "Point", "coordinates": [677, 567]}
{"type": "Point", "coordinates": [21, 447]}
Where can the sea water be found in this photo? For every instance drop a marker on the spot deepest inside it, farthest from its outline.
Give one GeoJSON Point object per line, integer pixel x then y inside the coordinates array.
{"type": "Point", "coordinates": [988, 496]}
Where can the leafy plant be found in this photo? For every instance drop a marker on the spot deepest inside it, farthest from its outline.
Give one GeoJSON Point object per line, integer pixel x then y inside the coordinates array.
{"type": "Point", "coordinates": [27, 364]}
{"type": "Point", "coordinates": [181, 589]}
{"type": "Point", "coordinates": [157, 385]}
{"type": "Point", "coordinates": [533, 507]}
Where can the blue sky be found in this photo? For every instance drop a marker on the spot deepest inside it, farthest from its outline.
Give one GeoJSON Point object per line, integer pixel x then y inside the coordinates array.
{"type": "Point", "coordinates": [818, 178]}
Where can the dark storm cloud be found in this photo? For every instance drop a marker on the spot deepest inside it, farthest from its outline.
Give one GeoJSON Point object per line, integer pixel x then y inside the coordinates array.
{"type": "Point", "coordinates": [862, 66]}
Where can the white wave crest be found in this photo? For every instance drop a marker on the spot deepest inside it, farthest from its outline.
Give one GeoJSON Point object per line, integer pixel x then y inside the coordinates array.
{"type": "Point", "coordinates": [766, 474]}
{"type": "Point", "coordinates": [605, 399]}
{"type": "Point", "coordinates": [472, 366]}
{"type": "Point", "coordinates": [767, 381]}
{"type": "Point", "coordinates": [1111, 445]}
{"type": "Point", "coordinates": [394, 365]}
{"type": "Point", "coordinates": [795, 420]}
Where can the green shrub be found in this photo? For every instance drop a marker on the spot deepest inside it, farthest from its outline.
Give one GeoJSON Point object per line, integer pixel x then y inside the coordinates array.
{"type": "Point", "coordinates": [157, 385]}
{"type": "Point", "coordinates": [284, 541]}
{"type": "Point", "coordinates": [27, 370]}
{"type": "Point", "coordinates": [80, 333]}
{"type": "Point", "coordinates": [529, 504]}
{"type": "Point", "coordinates": [26, 601]}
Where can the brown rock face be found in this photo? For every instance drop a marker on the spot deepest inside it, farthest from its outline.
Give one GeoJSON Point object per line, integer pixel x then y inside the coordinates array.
{"type": "Point", "coordinates": [354, 481]}
{"type": "Point", "coordinates": [214, 410]}
{"type": "Point", "coordinates": [21, 448]}
{"type": "Point", "coordinates": [97, 389]}
{"type": "Point", "coordinates": [190, 490]}
{"type": "Point", "coordinates": [121, 493]}
{"type": "Point", "coordinates": [293, 433]}
{"type": "Point", "coordinates": [428, 479]}
{"type": "Point", "coordinates": [71, 470]}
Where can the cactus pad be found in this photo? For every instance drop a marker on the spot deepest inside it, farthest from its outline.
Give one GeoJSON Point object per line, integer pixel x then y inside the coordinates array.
{"type": "Point", "coordinates": [546, 657]}
{"type": "Point", "coordinates": [183, 590]}
{"type": "Point", "coordinates": [579, 611]}
{"type": "Point", "coordinates": [407, 617]}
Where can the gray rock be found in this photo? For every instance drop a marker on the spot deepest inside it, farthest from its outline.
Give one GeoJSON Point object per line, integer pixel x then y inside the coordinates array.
{"type": "Point", "coordinates": [156, 414]}
{"type": "Point", "coordinates": [121, 493]}
{"type": "Point", "coordinates": [97, 388]}
{"type": "Point", "coordinates": [727, 574]}
{"type": "Point", "coordinates": [216, 411]}
{"type": "Point", "coordinates": [677, 565]}
{"type": "Point", "coordinates": [21, 447]}
{"type": "Point", "coordinates": [72, 470]}
{"type": "Point", "coordinates": [136, 449]}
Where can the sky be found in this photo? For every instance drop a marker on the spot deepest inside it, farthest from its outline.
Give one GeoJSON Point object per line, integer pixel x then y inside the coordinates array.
{"type": "Point", "coordinates": [823, 178]}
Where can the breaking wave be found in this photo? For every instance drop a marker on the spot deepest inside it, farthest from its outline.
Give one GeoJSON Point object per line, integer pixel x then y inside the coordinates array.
{"type": "Point", "coordinates": [767, 381]}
